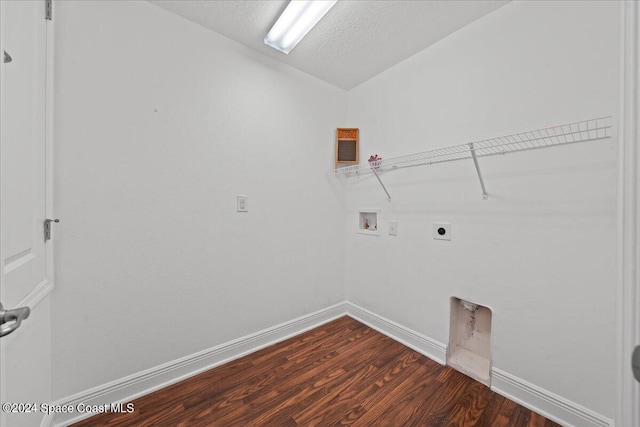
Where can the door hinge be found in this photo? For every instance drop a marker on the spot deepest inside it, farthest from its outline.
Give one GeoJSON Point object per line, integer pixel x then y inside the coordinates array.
{"type": "Point", "coordinates": [47, 228]}
{"type": "Point", "coordinates": [48, 9]}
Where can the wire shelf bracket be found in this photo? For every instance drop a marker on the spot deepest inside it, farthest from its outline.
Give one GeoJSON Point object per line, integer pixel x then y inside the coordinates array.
{"type": "Point", "coordinates": [381, 183]}
{"type": "Point", "coordinates": [485, 196]}
{"type": "Point", "coordinates": [569, 133]}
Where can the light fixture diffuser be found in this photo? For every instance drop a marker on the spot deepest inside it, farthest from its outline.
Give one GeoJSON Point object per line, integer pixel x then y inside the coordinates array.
{"type": "Point", "coordinates": [298, 18]}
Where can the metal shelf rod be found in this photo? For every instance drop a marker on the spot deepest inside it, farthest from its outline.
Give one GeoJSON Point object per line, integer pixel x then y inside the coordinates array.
{"type": "Point", "coordinates": [485, 196]}
{"type": "Point", "coordinates": [381, 183]}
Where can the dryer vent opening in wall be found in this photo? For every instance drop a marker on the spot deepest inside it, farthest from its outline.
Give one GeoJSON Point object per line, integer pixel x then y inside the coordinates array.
{"type": "Point", "coordinates": [469, 349]}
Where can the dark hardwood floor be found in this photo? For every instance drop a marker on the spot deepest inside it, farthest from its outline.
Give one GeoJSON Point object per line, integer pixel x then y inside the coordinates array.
{"type": "Point", "coordinates": [339, 374]}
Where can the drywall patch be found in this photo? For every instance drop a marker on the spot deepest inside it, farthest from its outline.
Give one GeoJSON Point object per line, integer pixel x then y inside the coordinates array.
{"type": "Point", "coordinates": [469, 348]}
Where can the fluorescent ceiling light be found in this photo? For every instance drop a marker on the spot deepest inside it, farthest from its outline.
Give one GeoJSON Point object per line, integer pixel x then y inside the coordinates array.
{"type": "Point", "coordinates": [298, 18]}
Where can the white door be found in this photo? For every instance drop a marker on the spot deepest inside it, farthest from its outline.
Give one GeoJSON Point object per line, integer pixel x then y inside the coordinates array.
{"type": "Point", "coordinates": [25, 353]}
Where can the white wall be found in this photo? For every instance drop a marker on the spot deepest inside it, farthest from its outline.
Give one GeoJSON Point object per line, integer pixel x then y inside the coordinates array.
{"type": "Point", "coordinates": [160, 124]}
{"type": "Point", "coordinates": [541, 251]}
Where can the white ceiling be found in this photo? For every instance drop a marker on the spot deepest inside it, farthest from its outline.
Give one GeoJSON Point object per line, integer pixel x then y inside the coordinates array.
{"type": "Point", "coordinates": [353, 42]}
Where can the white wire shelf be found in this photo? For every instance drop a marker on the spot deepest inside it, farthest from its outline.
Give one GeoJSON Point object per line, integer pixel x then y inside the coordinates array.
{"type": "Point", "coordinates": [569, 133]}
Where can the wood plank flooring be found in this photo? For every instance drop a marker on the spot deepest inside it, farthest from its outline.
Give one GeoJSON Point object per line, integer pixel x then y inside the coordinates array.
{"type": "Point", "coordinates": [339, 374]}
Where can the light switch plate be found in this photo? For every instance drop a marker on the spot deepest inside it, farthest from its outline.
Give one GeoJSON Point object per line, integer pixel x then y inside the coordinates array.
{"type": "Point", "coordinates": [393, 228]}
{"type": "Point", "coordinates": [442, 231]}
{"type": "Point", "coordinates": [243, 203]}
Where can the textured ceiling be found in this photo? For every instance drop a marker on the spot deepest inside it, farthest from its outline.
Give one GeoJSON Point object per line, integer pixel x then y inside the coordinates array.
{"type": "Point", "coordinates": [353, 42]}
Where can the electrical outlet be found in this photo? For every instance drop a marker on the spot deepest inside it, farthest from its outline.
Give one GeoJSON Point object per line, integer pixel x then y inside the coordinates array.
{"type": "Point", "coordinates": [243, 203]}
{"type": "Point", "coordinates": [393, 228]}
{"type": "Point", "coordinates": [441, 231]}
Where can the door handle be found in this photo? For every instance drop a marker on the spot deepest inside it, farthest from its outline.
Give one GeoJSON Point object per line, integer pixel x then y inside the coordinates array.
{"type": "Point", "coordinates": [635, 363]}
{"type": "Point", "coordinates": [13, 318]}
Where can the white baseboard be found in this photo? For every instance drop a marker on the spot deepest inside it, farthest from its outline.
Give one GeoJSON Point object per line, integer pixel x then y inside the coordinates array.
{"type": "Point", "coordinates": [539, 400]}
{"type": "Point", "coordinates": [433, 349]}
{"type": "Point", "coordinates": [145, 382]}
{"type": "Point", "coordinates": [545, 403]}
{"type": "Point", "coordinates": [47, 420]}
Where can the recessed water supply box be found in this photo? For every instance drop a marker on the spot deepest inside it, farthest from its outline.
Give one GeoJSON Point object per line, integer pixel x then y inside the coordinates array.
{"type": "Point", "coordinates": [469, 349]}
{"type": "Point", "coordinates": [368, 221]}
